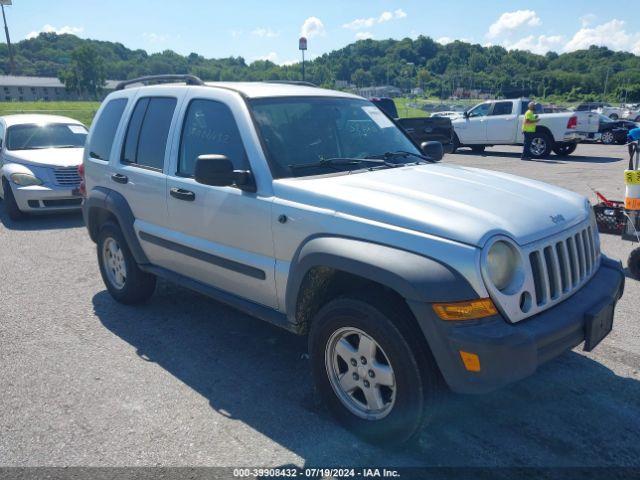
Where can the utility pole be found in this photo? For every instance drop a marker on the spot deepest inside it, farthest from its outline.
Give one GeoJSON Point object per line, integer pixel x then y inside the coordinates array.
{"type": "Point", "coordinates": [606, 81]}
{"type": "Point", "coordinates": [12, 65]}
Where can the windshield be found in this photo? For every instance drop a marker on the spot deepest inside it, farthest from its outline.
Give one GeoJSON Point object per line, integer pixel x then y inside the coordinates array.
{"type": "Point", "coordinates": [299, 131]}
{"type": "Point", "coordinates": [605, 119]}
{"type": "Point", "coordinates": [53, 135]}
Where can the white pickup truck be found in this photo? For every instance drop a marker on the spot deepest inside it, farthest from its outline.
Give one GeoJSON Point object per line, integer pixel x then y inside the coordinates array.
{"type": "Point", "coordinates": [499, 122]}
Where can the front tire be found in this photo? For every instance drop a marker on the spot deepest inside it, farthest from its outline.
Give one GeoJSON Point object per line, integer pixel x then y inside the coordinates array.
{"type": "Point", "coordinates": [123, 278]}
{"type": "Point", "coordinates": [371, 368]}
{"type": "Point", "coordinates": [613, 116]}
{"type": "Point", "coordinates": [633, 263]}
{"type": "Point", "coordinates": [10, 204]}
{"type": "Point", "coordinates": [608, 138]}
{"type": "Point", "coordinates": [541, 145]}
{"type": "Point", "coordinates": [564, 149]}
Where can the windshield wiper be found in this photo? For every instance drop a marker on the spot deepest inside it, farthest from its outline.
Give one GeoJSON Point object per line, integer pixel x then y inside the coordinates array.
{"type": "Point", "coordinates": [401, 154]}
{"type": "Point", "coordinates": [335, 162]}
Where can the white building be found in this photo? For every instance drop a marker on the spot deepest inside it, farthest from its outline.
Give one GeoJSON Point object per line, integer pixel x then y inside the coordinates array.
{"type": "Point", "coordinates": [28, 89]}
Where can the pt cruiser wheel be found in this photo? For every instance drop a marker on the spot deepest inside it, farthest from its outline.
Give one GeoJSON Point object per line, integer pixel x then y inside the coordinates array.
{"type": "Point", "coordinates": [120, 272]}
{"type": "Point", "coordinates": [373, 368]}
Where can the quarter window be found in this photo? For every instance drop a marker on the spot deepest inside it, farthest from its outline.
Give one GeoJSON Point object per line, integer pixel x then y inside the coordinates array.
{"type": "Point", "coordinates": [148, 131]}
{"type": "Point", "coordinates": [105, 128]}
{"type": "Point", "coordinates": [209, 128]}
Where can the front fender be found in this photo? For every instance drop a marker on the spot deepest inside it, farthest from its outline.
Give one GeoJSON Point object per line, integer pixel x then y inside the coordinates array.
{"type": "Point", "coordinates": [415, 277]}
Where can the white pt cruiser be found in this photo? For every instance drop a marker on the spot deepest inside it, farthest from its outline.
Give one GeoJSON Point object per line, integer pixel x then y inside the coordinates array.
{"type": "Point", "coordinates": [312, 210]}
{"type": "Point", "coordinates": [39, 159]}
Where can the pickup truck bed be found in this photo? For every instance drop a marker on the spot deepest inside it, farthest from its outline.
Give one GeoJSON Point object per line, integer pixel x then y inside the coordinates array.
{"type": "Point", "coordinates": [420, 129]}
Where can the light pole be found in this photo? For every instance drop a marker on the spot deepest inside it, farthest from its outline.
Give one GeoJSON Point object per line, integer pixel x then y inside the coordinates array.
{"type": "Point", "coordinates": [302, 46]}
{"type": "Point", "coordinates": [12, 65]}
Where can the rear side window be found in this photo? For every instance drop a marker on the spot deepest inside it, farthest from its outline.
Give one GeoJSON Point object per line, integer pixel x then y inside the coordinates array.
{"type": "Point", "coordinates": [105, 129]}
{"type": "Point", "coordinates": [502, 108]}
{"type": "Point", "coordinates": [209, 128]}
{"type": "Point", "coordinates": [147, 133]}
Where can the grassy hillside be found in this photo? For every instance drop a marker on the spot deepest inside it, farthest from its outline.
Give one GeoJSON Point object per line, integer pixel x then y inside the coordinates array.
{"type": "Point", "coordinates": [82, 111]}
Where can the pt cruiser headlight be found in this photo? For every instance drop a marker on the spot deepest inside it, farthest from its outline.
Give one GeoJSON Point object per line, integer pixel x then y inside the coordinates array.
{"type": "Point", "coordinates": [25, 179]}
{"type": "Point", "coordinates": [503, 265]}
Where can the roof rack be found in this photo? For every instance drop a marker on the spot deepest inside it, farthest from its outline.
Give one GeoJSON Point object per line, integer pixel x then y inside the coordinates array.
{"type": "Point", "coordinates": [292, 82]}
{"type": "Point", "coordinates": [188, 79]}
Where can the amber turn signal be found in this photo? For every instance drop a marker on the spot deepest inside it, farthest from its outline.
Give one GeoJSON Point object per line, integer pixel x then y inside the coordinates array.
{"type": "Point", "coordinates": [469, 310]}
{"type": "Point", "coordinates": [471, 361]}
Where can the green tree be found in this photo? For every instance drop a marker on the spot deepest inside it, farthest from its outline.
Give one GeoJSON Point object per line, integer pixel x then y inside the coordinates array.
{"type": "Point", "coordinates": [86, 72]}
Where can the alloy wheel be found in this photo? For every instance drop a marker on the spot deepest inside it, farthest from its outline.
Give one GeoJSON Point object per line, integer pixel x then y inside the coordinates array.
{"type": "Point", "coordinates": [607, 137]}
{"type": "Point", "coordinates": [538, 146]}
{"type": "Point", "coordinates": [114, 263]}
{"type": "Point", "coordinates": [360, 373]}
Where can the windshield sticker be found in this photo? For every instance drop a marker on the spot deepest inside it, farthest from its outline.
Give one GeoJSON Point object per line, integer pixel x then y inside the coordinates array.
{"type": "Point", "coordinates": [377, 116]}
{"type": "Point", "coordinates": [78, 129]}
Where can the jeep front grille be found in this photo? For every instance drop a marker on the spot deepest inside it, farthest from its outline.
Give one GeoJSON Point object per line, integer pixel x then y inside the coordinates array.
{"type": "Point", "coordinates": [67, 176]}
{"type": "Point", "coordinates": [563, 265]}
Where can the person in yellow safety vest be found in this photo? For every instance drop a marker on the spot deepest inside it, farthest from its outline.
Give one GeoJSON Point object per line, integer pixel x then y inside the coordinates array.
{"type": "Point", "coordinates": [529, 129]}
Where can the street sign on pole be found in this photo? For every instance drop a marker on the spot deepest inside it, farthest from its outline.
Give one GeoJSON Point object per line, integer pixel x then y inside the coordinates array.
{"type": "Point", "coordinates": [302, 46]}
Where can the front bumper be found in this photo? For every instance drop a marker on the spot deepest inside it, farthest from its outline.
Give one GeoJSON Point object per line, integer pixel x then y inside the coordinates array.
{"type": "Point", "coordinates": [46, 198]}
{"type": "Point", "coordinates": [510, 352]}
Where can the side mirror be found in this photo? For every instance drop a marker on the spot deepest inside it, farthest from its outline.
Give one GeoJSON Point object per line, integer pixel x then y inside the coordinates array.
{"type": "Point", "coordinates": [217, 171]}
{"type": "Point", "coordinates": [433, 150]}
{"type": "Point", "coordinates": [465, 114]}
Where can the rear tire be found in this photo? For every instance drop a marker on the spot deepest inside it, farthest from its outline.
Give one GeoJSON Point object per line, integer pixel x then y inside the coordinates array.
{"type": "Point", "coordinates": [541, 145]}
{"type": "Point", "coordinates": [613, 116]}
{"type": "Point", "coordinates": [633, 263]}
{"type": "Point", "coordinates": [564, 149]}
{"type": "Point", "coordinates": [10, 204]}
{"type": "Point", "coordinates": [123, 278]}
{"type": "Point", "coordinates": [455, 143]}
{"type": "Point", "coordinates": [344, 381]}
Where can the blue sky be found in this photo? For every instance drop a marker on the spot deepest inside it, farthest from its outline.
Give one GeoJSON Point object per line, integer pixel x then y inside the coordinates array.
{"type": "Point", "coordinates": [270, 29]}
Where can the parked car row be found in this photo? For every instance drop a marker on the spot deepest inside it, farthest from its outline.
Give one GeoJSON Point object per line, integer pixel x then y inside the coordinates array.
{"type": "Point", "coordinates": [313, 210]}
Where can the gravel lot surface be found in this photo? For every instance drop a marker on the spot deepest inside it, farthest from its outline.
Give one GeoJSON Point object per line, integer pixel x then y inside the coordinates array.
{"type": "Point", "coordinates": [184, 380]}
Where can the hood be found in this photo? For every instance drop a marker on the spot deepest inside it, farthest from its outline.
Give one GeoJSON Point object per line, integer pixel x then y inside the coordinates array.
{"type": "Point", "coordinates": [47, 157]}
{"type": "Point", "coordinates": [467, 205]}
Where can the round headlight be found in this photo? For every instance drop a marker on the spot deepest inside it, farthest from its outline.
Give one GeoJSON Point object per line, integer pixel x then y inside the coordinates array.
{"type": "Point", "coordinates": [25, 179]}
{"type": "Point", "coordinates": [502, 264]}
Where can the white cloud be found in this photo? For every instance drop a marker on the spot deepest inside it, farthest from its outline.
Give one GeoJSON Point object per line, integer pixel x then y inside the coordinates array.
{"type": "Point", "coordinates": [399, 13]}
{"type": "Point", "coordinates": [155, 38]}
{"type": "Point", "coordinates": [361, 23]}
{"type": "Point", "coordinates": [510, 21]}
{"type": "Point", "coordinates": [444, 40]}
{"type": "Point", "coordinates": [364, 35]}
{"type": "Point", "coordinates": [540, 44]}
{"type": "Point", "coordinates": [236, 33]}
{"type": "Point", "coordinates": [265, 32]}
{"type": "Point", "coordinates": [588, 19]}
{"type": "Point", "coordinates": [611, 34]}
{"type": "Point", "coordinates": [312, 27]}
{"type": "Point", "coordinates": [59, 31]}
{"type": "Point", "coordinates": [271, 57]}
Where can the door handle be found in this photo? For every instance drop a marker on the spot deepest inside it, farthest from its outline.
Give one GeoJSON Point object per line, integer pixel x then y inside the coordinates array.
{"type": "Point", "coordinates": [118, 177]}
{"type": "Point", "coordinates": [181, 194]}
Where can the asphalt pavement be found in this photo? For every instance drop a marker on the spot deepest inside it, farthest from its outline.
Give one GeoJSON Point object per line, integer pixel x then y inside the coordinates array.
{"type": "Point", "coordinates": [186, 381]}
